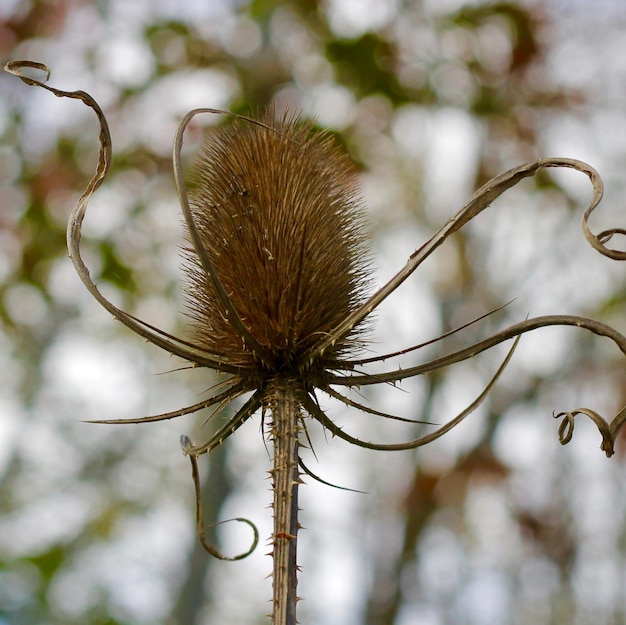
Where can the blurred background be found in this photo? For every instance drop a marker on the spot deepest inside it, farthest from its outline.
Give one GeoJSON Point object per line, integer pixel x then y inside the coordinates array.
{"type": "Point", "coordinates": [495, 523]}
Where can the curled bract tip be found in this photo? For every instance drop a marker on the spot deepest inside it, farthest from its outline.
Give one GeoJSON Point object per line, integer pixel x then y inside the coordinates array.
{"type": "Point", "coordinates": [186, 444]}
{"type": "Point", "coordinates": [605, 236]}
{"type": "Point", "coordinates": [16, 67]}
{"type": "Point", "coordinates": [245, 554]}
{"type": "Point", "coordinates": [607, 430]}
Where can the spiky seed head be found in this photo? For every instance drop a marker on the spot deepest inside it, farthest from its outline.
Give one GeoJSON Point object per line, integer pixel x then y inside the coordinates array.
{"type": "Point", "coordinates": [279, 216]}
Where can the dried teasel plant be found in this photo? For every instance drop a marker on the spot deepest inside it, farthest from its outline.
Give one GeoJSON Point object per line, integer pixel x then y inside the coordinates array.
{"type": "Point", "coordinates": [277, 287]}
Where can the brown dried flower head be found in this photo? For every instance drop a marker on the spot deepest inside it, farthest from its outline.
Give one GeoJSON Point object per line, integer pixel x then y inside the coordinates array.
{"type": "Point", "coordinates": [277, 212]}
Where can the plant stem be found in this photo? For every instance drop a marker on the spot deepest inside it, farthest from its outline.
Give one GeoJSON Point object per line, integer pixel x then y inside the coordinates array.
{"type": "Point", "coordinates": [286, 477]}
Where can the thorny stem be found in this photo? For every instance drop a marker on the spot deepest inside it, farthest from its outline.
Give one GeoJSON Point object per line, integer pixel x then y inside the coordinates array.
{"type": "Point", "coordinates": [286, 478]}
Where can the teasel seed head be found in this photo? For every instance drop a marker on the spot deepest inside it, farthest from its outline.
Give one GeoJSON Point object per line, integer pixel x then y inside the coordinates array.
{"type": "Point", "coordinates": [278, 212]}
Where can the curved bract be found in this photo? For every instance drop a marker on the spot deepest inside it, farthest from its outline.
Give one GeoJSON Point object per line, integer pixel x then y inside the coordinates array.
{"type": "Point", "coordinates": [277, 273]}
